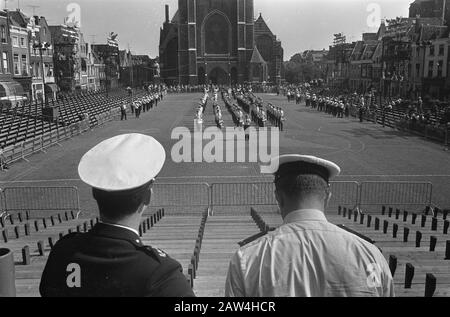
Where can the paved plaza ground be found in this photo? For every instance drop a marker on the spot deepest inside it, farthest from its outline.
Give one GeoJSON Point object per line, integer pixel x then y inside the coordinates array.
{"type": "Point", "coordinates": [366, 152]}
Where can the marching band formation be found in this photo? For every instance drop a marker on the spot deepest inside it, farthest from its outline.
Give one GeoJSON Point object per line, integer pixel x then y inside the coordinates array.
{"type": "Point", "coordinates": [276, 116]}
{"type": "Point", "coordinates": [155, 94]}
{"type": "Point", "coordinates": [248, 109]}
{"type": "Point", "coordinates": [337, 105]}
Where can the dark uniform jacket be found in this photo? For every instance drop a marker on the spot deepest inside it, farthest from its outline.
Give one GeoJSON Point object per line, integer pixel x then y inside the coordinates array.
{"type": "Point", "coordinates": [110, 261]}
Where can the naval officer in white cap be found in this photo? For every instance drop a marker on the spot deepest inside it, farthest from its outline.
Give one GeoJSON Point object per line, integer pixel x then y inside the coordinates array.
{"type": "Point", "coordinates": [307, 256]}
{"type": "Point", "coordinates": [111, 260]}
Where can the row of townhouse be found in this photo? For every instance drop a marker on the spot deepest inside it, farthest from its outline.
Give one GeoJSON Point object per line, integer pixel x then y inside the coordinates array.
{"type": "Point", "coordinates": [39, 60]}
{"type": "Point", "coordinates": [407, 57]}
{"type": "Point", "coordinates": [138, 70]}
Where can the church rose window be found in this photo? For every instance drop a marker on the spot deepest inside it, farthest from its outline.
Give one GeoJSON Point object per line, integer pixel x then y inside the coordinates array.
{"type": "Point", "coordinates": [216, 35]}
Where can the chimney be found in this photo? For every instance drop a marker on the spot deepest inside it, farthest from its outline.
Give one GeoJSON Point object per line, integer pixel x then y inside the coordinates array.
{"type": "Point", "coordinates": [167, 13]}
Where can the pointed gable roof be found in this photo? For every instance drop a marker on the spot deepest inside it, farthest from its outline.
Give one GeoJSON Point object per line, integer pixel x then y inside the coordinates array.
{"type": "Point", "coordinates": [381, 30]}
{"type": "Point", "coordinates": [261, 26]}
{"type": "Point", "coordinates": [176, 17]}
{"type": "Point", "coordinates": [256, 57]}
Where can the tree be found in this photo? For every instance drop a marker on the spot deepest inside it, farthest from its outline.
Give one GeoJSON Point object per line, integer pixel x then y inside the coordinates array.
{"type": "Point", "coordinates": [298, 70]}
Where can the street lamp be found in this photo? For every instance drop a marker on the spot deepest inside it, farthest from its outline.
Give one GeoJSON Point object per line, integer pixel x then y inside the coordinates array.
{"type": "Point", "coordinates": [42, 46]}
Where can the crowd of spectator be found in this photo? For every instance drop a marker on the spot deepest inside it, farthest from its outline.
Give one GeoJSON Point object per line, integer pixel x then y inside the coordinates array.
{"type": "Point", "coordinates": [418, 115]}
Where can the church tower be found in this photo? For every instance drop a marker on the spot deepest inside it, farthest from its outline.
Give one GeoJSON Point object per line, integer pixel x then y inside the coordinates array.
{"type": "Point", "coordinates": [215, 42]}
{"type": "Point", "coordinates": [187, 41]}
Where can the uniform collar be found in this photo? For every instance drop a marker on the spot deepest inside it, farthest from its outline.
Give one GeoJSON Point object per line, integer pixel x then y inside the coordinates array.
{"type": "Point", "coordinates": [120, 226]}
{"type": "Point", "coordinates": [117, 232]}
{"type": "Point", "coordinates": [305, 215]}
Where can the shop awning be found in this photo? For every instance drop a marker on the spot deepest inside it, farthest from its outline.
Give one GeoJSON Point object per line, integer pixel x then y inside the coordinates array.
{"type": "Point", "coordinates": [10, 88]}
{"type": "Point", "coordinates": [51, 87]}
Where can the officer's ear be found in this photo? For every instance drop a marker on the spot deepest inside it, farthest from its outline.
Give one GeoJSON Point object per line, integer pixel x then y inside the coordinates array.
{"type": "Point", "coordinates": [279, 198]}
{"type": "Point", "coordinates": [328, 196]}
{"type": "Point", "coordinates": [147, 195]}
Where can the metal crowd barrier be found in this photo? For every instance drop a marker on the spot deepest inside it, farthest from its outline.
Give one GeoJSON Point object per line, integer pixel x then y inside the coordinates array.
{"type": "Point", "coordinates": [344, 194]}
{"type": "Point", "coordinates": [108, 116]}
{"type": "Point", "coordinates": [243, 194]}
{"type": "Point", "coordinates": [40, 199]}
{"type": "Point", "coordinates": [258, 194]}
{"type": "Point", "coordinates": [180, 195]}
{"type": "Point", "coordinates": [395, 193]}
{"type": "Point", "coordinates": [203, 195]}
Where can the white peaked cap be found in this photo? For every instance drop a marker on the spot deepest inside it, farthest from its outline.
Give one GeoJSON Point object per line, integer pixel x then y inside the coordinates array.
{"type": "Point", "coordinates": [331, 168]}
{"type": "Point", "coordinates": [122, 163]}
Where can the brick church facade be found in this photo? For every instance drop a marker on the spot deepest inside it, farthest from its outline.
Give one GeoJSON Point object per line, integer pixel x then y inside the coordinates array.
{"type": "Point", "coordinates": [218, 41]}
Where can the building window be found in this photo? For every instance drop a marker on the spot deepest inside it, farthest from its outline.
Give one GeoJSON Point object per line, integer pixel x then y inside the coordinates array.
{"type": "Point", "coordinates": [5, 62]}
{"type": "Point", "coordinates": [22, 42]}
{"type": "Point", "coordinates": [417, 70]}
{"type": "Point", "coordinates": [15, 41]}
{"type": "Point", "coordinates": [441, 50]}
{"type": "Point", "coordinates": [24, 65]}
{"type": "Point", "coordinates": [432, 50]}
{"type": "Point", "coordinates": [430, 68]}
{"type": "Point", "coordinates": [16, 64]}
{"type": "Point", "coordinates": [50, 71]}
{"type": "Point", "coordinates": [37, 70]}
{"type": "Point", "coordinates": [3, 34]}
{"type": "Point", "coordinates": [440, 65]}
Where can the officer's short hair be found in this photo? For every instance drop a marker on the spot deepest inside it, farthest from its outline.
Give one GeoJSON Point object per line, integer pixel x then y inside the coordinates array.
{"type": "Point", "coordinates": [297, 186]}
{"type": "Point", "coordinates": [117, 205]}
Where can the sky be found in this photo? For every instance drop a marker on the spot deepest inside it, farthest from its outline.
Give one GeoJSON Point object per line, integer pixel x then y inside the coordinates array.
{"type": "Point", "coordinates": [299, 24]}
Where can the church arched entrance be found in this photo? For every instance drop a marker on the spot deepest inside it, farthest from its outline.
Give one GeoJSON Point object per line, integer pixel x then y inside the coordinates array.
{"type": "Point", "coordinates": [218, 76]}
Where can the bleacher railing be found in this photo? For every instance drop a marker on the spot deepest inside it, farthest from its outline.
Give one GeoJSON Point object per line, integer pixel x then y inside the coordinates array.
{"type": "Point", "coordinates": [40, 199]}
{"type": "Point", "coordinates": [344, 194]}
{"type": "Point", "coordinates": [395, 193]}
{"type": "Point", "coordinates": [203, 195]}
{"type": "Point", "coordinates": [180, 195]}
{"type": "Point", "coordinates": [243, 194]}
{"type": "Point", "coordinates": [113, 114]}
{"type": "Point", "coordinates": [262, 194]}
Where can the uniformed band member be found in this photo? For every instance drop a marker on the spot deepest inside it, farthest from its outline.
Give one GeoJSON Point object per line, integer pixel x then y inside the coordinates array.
{"type": "Point", "coordinates": [307, 256]}
{"type": "Point", "coordinates": [111, 260]}
{"type": "Point", "coordinates": [247, 125]}
{"type": "Point", "coordinates": [137, 108]}
{"type": "Point", "coordinates": [275, 116]}
{"type": "Point", "coordinates": [123, 111]}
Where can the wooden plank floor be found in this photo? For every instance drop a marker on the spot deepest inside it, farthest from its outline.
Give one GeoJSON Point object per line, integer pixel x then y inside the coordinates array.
{"type": "Point", "coordinates": [424, 260]}
{"type": "Point", "coordinates": [176, 235]}
{"type": "Point", "coordinates": [221, 238]}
